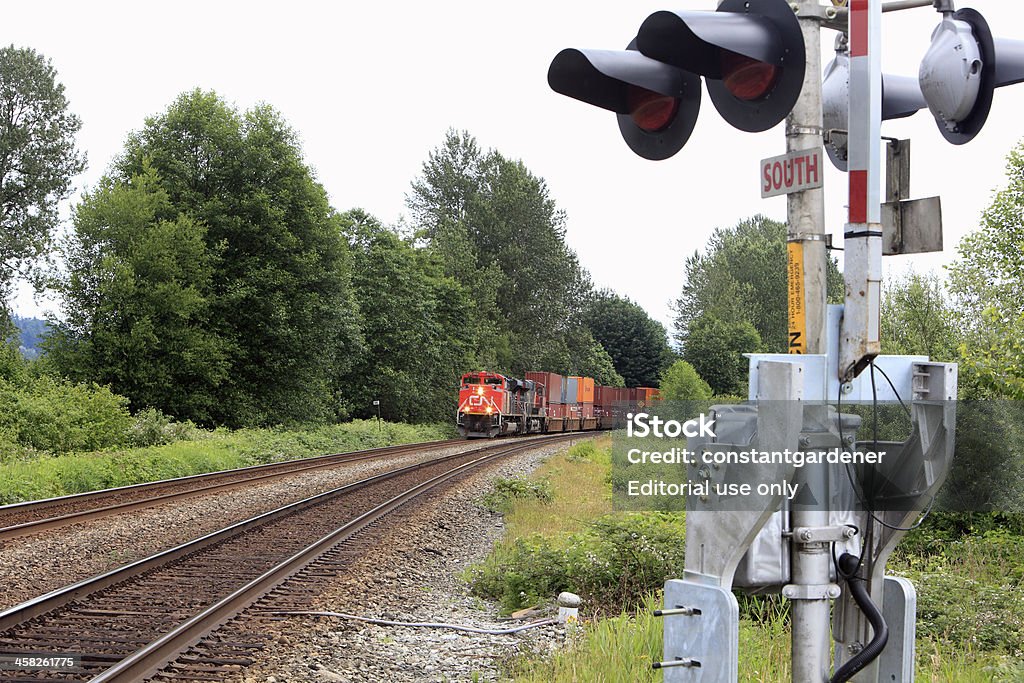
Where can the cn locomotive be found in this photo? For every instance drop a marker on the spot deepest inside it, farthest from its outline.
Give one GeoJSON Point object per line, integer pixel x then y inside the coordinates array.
{"type": "Point", "coordinates": [492, 404]}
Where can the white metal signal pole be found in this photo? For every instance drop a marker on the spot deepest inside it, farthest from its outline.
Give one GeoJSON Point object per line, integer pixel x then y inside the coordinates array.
{"type": "Point", "coordinates": [807, 261]}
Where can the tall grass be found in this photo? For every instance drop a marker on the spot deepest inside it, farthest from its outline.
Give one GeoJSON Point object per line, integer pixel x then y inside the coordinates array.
{"type": "Point", "coordinates": [44, 476]}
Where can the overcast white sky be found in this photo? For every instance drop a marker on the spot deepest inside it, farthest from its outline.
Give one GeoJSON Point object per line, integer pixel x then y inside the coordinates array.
{"type": "Point", "coordinates": [372, 87]}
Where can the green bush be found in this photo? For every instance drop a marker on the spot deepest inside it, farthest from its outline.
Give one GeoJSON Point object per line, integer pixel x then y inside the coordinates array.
{"type": "Point", "coordinates": [506, 491]}
{"type": "Point", "coordinates": [152, 428]}
{"type": "Point", "coordinates": [612, 565]}
{"type": "Point", "coordinates": [682, 383]}
{"type": "Point", "coordinates": [53, 415]}
{"type": "Point", "coordinates": [584, 451]}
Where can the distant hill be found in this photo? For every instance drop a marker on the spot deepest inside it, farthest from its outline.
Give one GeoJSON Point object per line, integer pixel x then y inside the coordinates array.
{"type": "Point", "coordinates": [32, 333]}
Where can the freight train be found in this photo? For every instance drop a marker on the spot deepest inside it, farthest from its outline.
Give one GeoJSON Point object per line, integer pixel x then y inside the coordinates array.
{"type": "Point", "coordinates": [492, 404]}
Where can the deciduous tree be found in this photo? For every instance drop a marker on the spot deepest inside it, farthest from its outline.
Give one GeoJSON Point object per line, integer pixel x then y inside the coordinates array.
{"type": "Point", "coordinates": [741, 277]}
{"type": "Point", "coordinates": [136, 301]}
{"type": "Point", "coordinates": [38, 157]}
{"type": "Point", "coordinates": [987, 279]}
{"type": "Point", "coordinates": [637, 344]}
{"type": "Point", "coordinates": [277, 301]}
{"type": "Point", "coordinates": [715, 349]}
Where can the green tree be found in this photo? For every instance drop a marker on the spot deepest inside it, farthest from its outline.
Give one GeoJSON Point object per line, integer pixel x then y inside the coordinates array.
{"type": "Point", "coordinates": [682, 383]}
{"type": "Point", "coordinates": [498, 232]}
{"type": "Point", "coordinates": [38, 158]}
{"type": "Point", "coordinates": [986, 280]}
{"type": "Point", "coordinates": [918, 319]}
{"type": "Point", "coordinates": [137, 301]}
{"type": "Point", "coordinates": [444, 202]}
{"type": "Point", "coordinates": [741, 277]}
{"type": "Point", "coordinates": [279, 300]}
{"type": "Point", "coordinates": [417, 344]}
{"type": "Point", "coordinates": [637, 344]}
{"type": "Point", "coordinates": [588, 358]}
{"type": "Point", "coordinates": [715, 349]}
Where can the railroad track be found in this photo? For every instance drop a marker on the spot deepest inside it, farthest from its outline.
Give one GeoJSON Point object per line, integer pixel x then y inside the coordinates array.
{"type": "Point", "coordinates": [127, 624]}
{"type": "Point", "coordinates": [20, 519]}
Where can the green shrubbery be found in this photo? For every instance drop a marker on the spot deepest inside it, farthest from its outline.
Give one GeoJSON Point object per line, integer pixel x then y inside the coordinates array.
{"type": "Point", "coordinates": [584, 451]}
{"type": "Point", "coordinates": [612, 564]}
{"type": "Point", "coordinates": [56, 416]}
{"type": "Point", "coordinates": [506, 491]}
{"type": "Point", "coordinates": [970, 592]}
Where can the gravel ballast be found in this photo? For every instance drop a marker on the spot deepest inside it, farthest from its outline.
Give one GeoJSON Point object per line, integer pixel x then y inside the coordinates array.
{"type": "Point", "coordinates": [39, 563]}
{"type": "Point", "coordinates": [412, 575]}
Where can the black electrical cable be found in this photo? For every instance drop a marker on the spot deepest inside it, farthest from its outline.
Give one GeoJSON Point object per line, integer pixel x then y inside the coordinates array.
{"type": "Point", "coordinates": [853, 485]}
{"type": "Point", "coordinates": [893, 387]}
{"type": "Point", "coordinates": [847, 567]}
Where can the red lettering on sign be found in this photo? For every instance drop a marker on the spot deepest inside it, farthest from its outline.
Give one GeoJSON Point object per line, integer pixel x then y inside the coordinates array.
{"type": "Point", "coordinates": [791, 173]}
{"type": "Point", "coordinates": [812, 168]}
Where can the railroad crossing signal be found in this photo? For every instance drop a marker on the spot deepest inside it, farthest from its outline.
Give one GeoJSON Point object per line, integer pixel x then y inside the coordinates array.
{"type": "Point", "coordinates": [750, 53]}
{"type": "Point", "coordinates": [962, 68]}
{"type": "Point", "coordinates": [656, 104]}
{"type": "Point", "coordinates": [960, 71]}
{"type": "Point", "coordinates": [754, 55]}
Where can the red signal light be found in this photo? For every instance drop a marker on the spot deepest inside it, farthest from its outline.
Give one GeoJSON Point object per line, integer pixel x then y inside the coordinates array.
{"type": "Point", "coordinates": [747, 79]}
{"type": "Point", "coordinates": [652, 112]}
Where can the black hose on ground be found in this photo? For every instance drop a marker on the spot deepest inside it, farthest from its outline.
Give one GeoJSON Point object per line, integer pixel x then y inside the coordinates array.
{"type": "Point", "coordinates": [847, 567]}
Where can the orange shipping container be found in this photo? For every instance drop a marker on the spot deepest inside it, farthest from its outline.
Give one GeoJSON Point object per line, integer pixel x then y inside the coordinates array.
{"type": "Point", "coordinates": [584, 389]}
{"type": "Point", "coordinates": [650, 394]}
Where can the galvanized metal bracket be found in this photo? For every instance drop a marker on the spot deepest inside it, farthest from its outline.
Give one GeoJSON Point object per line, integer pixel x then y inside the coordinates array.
{"type": "Point", "coordinates": [702, 637]}
{"type": "Point", "coordinates": [896, 663]}
{"type": "Point", "coordinates": [825, 591]}
{"type": "Point", "coordinates": [823, 534]}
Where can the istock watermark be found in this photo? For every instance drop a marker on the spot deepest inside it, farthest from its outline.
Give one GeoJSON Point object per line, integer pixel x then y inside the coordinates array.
{"type": "Point", "coordinates": [642, 425]}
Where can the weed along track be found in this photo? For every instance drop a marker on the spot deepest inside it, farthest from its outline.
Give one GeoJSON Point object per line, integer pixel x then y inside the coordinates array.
{"type": "Point", "coordinates": [35, 516]}
{"type": "Point", "coordinates": [130, 623]}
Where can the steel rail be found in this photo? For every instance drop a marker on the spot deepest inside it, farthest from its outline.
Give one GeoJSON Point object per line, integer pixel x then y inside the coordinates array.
{"type": "Point", "coordinates": [163, 651]}
{"type": "Point", "coordinates": [282, 469]}
{"type": "Point", "coordinates": [38, 606]}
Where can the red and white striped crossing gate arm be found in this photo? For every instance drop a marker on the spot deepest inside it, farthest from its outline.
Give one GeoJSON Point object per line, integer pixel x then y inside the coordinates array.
{"type": "Point", "coordinates": [859, 340]}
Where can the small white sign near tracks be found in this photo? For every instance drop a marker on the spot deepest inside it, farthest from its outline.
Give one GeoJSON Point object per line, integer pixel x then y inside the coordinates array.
{"type": "Point", "coordinates": [793, 172]}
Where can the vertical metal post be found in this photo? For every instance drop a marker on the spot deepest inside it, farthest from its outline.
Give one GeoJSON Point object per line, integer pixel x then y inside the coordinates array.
{"type": "Point", "coordinates": [859, 340]}
{"type": "Point", "coordinates": [807, 318]}
{"type": "Point", "coordinates": [806, 209]}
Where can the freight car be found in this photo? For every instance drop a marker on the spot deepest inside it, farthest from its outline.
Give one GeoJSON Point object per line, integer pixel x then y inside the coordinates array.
{"type": "Point", "coordinates": [492, 404]}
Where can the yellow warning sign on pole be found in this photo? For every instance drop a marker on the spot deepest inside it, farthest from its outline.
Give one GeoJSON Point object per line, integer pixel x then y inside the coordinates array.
{"type": "Point", "coordinates": [795, 293]}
